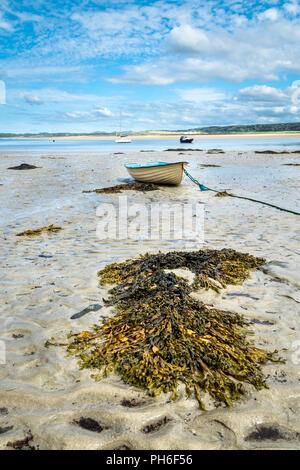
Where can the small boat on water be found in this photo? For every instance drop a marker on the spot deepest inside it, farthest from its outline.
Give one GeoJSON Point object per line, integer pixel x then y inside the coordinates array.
{"type": "Point", "coordinates": [186, 140]}
{"type": "Point", "coordinates": [123, 139]}
{"type": "Point", "coordinates": [157, 172]}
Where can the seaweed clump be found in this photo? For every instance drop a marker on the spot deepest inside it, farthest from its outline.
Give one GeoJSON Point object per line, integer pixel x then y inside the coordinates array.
{"type": "Point", "coordinates": [208, 165]}
{"type": "Point", "coordinates": [222, 194]}
{"type": "Point", "coordinates": [271, 152]}
{"type": "Point", "coordinates": [290, 164]}
{"type": "Point", "coordinates": [23, 166]}
{"type": "Point", "coordinates": [183, 150]}
{"type": "Point", "coordinates": [134, 186]}
{"type": "Point", "coordinates": [215, 151]}
{"type": "Point", "coordinates": [90, 424]}
{"type": "Point", "coordinates": [22, 444]}
{"type": "Point", "coordinates": [38, 231]}
{"type": "Point", "coordinates": [161, 336]}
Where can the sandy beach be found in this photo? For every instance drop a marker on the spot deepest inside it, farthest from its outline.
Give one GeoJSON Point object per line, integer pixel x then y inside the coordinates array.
{"type": "Point", "coordinates": [48, 278]}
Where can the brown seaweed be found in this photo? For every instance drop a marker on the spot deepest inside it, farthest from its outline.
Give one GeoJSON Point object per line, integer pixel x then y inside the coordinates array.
{"type": "Point", "coordinates": [209, 151]}
{"type": "Point", "coordinates": [290, 164]}
{"type": "Point", "coordinates": [23, 166]}
{"type": "Point", "coordinates": [134, 186]}
{"type": "Point", "coordinates": [204, 165]}
{"type": "Point", "coordinates": [183, 150]}
{"type": "Point", "coordinates": [161, 336]}
{"type": "Point", "coordinates": [271, 152]}
{"type": "Point", "coordinates": [22, 444]}
{"type": "Point", "coordinates": [156, 426]}
{"type": "Point", "coordinates": [38, 231]}
{"type": "Point", "coordinates": [222, 194]}
{"type": "Point", "coordinates": [263, 432]}
{"type": "Point", "coordinates": [90, 424]}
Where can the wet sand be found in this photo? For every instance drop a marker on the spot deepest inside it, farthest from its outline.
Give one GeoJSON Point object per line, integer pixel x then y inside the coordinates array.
{"type": "Point", "coordinates": [48, 278]}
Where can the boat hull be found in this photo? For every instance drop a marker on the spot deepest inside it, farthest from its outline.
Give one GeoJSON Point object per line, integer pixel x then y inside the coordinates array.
{"type": "Point", "coordinates": [171, 173]}
{"type": "Point", "coordinates": [123, 141]}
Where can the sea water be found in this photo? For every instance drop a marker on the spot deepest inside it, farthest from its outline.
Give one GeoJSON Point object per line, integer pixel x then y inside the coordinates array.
{"type": "Point", "coordinates": [226, 143]}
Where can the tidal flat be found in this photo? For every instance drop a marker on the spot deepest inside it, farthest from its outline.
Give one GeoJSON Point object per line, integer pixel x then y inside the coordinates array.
{"type": "Point", "coordinates": [50, 286]}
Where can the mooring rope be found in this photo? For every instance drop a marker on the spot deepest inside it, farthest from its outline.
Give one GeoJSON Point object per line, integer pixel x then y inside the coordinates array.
{"type": "Point", "coordinates": [204, 188]}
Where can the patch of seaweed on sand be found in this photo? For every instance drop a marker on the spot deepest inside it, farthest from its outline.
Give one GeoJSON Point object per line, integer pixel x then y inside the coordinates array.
{"type": "Point", "coordinates": [38, 231]}
{"type": "Point", "coordinates": [23, 166]}
{"type": "Point", "coordinates": [222, 194]}
{"type": "Point", "coordinates": [90, 424]}
{"type": "Point", "coordinates": [210, 165]}
{"type": "Point", "coordinates": [290, 164]}
{"type": "Point", "coordinates": [183, 150]}
{"type": "Point", "coordinates": [210, 151]}
{"type": "Point", "coordinates": [161, 336]}
{"type": "Point", "coordinates": [23, 444]}
{"type": "Point", "coordinates": [271, 152]}
{"type": "Point", "coordinates": [134, 186]}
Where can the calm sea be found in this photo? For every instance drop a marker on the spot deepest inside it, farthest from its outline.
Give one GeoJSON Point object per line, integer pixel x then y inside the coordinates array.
{"type": "Point", "coordinates": [234, 143]}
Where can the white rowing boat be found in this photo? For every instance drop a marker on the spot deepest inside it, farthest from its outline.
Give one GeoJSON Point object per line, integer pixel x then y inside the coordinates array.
{"type": "Point", "coordinates": [122, 139]}
{"type": "Point", "coordinates": [157, 172]}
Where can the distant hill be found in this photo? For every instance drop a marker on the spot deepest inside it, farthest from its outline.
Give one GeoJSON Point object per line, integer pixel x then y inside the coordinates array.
{"type": "Point", "coordinates": [238, 129]}
{"type": "Point", "coordinates": [211, 130]}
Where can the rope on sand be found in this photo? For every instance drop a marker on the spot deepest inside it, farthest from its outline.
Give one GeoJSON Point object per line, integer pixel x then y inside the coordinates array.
{"type": "Point", "coordinates": [204, 188]}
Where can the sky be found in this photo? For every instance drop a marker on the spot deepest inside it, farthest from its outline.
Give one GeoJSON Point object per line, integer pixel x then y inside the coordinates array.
{"type": "Point", "coordinates": [77, 66]}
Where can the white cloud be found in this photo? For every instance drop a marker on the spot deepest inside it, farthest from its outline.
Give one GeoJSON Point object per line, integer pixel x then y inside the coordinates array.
{"type": "Point", "coordinates": [262, 100]}
{"type": "Point", "coordinates": [201, 95]}
{"type": "Point", "coordinates": [262, 93]}
{"type": "Point", "coordinates": [185, 38]}
{"type": "Point", "coordinates": [14, 70]}
{"type": "Point", "coordinates": [273, 96]}
{"type": "Point", "coordinates": [92, 115]}
{"type": "Point", "coordinates": [115, 31]}
{"type": "Point", "coordinates": [2, 92]}
{"type": "Point", "coordinates": [4, 24]}
{"type": "Point", "coordinates": [194, 69]}
{"type": "Point", "coordinates": [271, 14]}
{"type": "Point", "coordinates": [55, 95]}
{"type": "Point", "coordinates": [194, 107]}
{"type": "Point", "coordinates": [292, 8]}
{"type": "Point", "coordinates": [103, 112]}
{"type": "Point", "coordinates": [28, 17]}
{"type": "Point", "coordinates": [197, 107]}
{"type": "Point", "coordinates": [164, 43]}
{"type": "Point", "coordinates": [32, 99]}
{"type": "Point", "coordinates": [220, 35]}
{"type": "Point", "coordinates": [257, 50]}
{"type": "Point", "coordinates": [77, 114]}
{"type": "Point", "coordinates": [146, 120]}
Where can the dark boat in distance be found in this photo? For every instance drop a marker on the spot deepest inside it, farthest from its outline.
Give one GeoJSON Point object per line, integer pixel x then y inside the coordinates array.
{"type": "Point", "coordinates": [186, 140]}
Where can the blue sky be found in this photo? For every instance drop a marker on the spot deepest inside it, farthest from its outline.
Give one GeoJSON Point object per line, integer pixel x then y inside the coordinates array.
{"type": "Point", "coordinates": [74, 66]}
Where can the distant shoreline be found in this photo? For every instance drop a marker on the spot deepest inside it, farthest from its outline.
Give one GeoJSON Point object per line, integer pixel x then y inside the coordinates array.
{"type": "Point", "coordinates": [162, 136]}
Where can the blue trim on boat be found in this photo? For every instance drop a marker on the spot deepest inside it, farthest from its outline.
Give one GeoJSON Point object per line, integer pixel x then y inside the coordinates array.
{"type": "Point", "coordinates": [138, 165]}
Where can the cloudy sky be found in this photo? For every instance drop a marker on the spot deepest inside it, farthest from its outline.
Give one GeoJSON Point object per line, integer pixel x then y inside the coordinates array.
{"type": "Point", "coordinates": [75, 65]}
